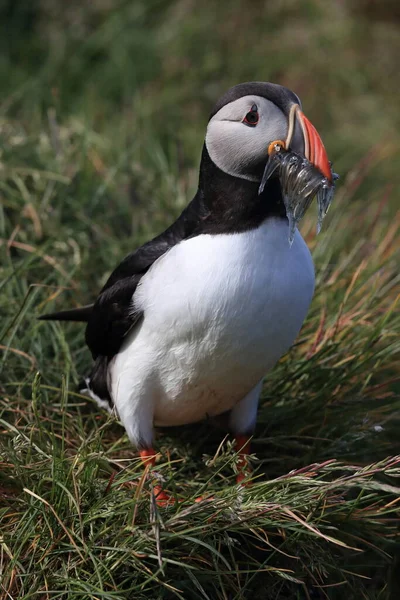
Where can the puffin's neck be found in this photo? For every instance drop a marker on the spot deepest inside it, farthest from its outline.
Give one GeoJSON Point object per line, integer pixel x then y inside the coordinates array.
{"type": "Point", "coordinates": [233, 203]}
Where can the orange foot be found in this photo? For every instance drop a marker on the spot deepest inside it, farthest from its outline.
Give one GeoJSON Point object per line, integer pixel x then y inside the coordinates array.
{"type": "Point", "coordinates": [242, 443]}
{"type": "Point", "coordinates": [162, 497]}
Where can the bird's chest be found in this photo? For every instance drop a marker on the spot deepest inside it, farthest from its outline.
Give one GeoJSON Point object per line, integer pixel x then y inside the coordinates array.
{"type": "Point", "coordinates": [222, 309]}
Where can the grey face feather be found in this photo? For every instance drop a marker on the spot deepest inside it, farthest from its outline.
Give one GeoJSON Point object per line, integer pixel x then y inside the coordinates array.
{"type": "Point", "coordinates": [233, 146]}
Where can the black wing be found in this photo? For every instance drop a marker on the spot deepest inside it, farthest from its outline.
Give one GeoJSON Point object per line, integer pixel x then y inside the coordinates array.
{"type": "Point", "coordinates": [113, 314]}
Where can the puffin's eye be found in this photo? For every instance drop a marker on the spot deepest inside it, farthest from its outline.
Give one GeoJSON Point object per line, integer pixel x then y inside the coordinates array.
{"type": "Point", "coordinates": [252, 117]}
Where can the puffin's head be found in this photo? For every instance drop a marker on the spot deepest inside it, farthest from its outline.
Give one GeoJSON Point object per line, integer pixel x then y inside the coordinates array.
{"type": "Point", "coordinates": [250, 119]}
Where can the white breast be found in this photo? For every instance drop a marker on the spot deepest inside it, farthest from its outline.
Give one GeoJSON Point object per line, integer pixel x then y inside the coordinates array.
{"type": "Point", "coordinates": [219, 311]}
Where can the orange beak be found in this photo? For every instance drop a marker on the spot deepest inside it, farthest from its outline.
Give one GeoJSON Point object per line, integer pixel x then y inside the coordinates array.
{"type": "Point", "coordinates": [314, 149]}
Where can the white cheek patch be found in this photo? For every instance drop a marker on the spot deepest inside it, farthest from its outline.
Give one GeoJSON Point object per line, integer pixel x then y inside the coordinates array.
{"type": "Point", "coordinates": [229, 148]}
{"type": "Point", "coordinates": [235, 147]}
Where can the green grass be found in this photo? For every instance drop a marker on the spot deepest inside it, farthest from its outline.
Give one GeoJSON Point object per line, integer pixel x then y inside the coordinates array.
{"type": "Point", "coordinates": [102, 116]}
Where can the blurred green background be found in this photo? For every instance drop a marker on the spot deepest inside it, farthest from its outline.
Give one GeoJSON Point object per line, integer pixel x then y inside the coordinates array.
{"type": "Point", "coordinates": [133, 68]}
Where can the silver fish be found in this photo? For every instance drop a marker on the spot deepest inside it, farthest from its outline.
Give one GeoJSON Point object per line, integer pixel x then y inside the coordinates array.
{"type": "Point", "coordinates": [300, 183]}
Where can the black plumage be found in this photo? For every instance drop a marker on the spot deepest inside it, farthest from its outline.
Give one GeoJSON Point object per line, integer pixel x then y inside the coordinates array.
{"type": "Point", "coordinates": [282, 97]}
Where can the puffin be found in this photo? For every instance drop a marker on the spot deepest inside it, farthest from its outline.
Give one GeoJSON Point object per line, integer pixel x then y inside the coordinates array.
{"type": "Point", "coordinates": [188, 325]}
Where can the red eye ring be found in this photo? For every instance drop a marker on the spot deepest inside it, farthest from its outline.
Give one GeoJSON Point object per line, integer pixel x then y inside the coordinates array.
{"type": "Point", "coordinates": [252, 117]}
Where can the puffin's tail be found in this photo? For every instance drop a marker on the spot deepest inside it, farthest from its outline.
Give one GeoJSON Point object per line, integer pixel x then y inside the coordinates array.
{"type": "Point", "coordinates": [74, 314]}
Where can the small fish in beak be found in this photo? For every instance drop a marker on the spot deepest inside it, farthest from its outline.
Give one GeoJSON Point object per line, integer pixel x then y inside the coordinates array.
{"type": "Point", "coordinates": [300, 182]}
{"type": "Point", "coordinates": [301, 176]}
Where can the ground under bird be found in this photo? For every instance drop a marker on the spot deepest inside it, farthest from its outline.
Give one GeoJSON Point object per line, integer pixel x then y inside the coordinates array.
{"type": "Point", "coordinates": [187, 325]}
